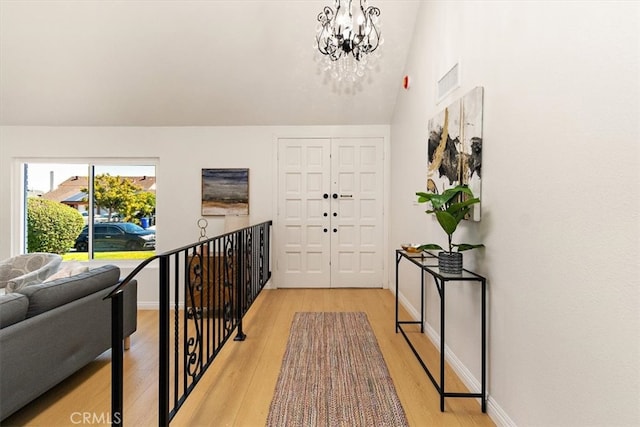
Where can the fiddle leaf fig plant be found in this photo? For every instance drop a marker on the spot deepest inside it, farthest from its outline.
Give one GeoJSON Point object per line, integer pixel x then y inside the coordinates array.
{"type": "Point", "coordinates": [450, 208]}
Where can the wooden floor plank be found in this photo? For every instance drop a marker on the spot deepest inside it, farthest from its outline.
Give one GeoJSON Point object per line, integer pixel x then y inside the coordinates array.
{"type": "Point", "coordinates": [237, 389]}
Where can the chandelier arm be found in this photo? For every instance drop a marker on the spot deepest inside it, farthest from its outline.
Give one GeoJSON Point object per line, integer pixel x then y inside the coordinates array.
{"type": "Point", "coordinates": [377, 38]}
{"type": "Point", "coordinates": [369, 14]}
{"type": "Point", "coordinates": [372, 11]}
{"type": "Point", "coordinates": [326, 15]}
{"type": "Point", "coordinates": [322, 42]}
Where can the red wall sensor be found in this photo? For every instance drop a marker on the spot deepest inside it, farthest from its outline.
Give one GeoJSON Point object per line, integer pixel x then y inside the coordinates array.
{"type": "Point", "coordinates": [405, 82]}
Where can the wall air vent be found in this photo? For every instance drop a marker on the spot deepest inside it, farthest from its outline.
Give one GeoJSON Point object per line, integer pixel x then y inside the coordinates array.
{"type": "Point", "coordinates": [449, 82]}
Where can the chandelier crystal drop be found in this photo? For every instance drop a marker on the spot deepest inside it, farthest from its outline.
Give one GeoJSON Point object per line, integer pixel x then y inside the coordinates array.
{"type": "Point", "coordinates": [348, 31]}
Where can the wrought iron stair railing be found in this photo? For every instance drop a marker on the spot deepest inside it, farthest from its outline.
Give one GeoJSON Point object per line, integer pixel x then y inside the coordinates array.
{"type": "Point", "coordinates": [205, 288]}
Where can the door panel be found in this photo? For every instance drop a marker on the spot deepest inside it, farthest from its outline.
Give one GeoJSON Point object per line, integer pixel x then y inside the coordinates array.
{"type": "Point", "coordinates": [356, 246]}
{"type": "Point", "coordinates": [304, 168]}
{"type": "Point", "coordinates": [330, 212]}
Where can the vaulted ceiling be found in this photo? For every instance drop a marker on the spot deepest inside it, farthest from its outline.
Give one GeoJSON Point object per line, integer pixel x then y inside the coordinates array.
{"type": "Point", "coordinates": [187, 63]}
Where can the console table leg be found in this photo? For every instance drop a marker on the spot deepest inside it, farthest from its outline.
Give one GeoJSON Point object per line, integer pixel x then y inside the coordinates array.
{"type": "Point", "coordinates": [398, 258]}
{"type": "Point", "coordinates": [442, 305]}
{"type": "Point", "coordinates": [483, 399]}
{"type": "Point", "coordinates": [422, 304]}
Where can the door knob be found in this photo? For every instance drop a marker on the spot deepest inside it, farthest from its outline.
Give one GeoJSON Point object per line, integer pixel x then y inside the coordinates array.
{"type": "Point", "coordinates": [325, 230]}
{"type": "Point", "coordinates": [325, 196]}
{"type": "Point", "coordinates": [335, 214]}
{"type": "Point", "coordinates": [335, 230]}
{"type": "Point", "coordinates": [325, 214]}
{"type": "Point", "coordinates": [335, 195]}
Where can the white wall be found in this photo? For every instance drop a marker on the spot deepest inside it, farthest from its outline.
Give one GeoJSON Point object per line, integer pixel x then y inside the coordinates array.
{"type": "Point", "coordinates": [560, 196]}
{"type": "Point", "coordinates": [180, 152]}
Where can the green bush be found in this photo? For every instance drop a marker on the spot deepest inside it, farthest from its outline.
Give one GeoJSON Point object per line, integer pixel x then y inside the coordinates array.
{"type": "Point", "coordinates": [51, 226]}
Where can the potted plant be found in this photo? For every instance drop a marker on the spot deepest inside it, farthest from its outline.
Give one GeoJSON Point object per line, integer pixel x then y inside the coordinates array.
{"type": "Point", "coordinates": [450, 208]}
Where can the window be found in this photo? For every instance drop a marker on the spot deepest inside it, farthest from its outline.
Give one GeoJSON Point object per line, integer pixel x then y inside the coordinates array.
{"type": "Point", "coordinates": [90, 211]}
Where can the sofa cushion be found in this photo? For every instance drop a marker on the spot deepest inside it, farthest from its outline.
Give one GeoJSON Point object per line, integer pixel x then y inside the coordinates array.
{"type": "Point", "coordinates": [45, 296]}
{"type": "Point", "coordinates": [13, 309]}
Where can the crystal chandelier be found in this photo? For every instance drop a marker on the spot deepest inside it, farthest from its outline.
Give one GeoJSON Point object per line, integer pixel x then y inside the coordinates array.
{"type": "Point", "coordinates": [348, 30]}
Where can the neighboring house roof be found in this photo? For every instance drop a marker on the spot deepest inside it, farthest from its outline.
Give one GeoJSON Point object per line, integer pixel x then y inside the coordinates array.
{"type": "Point", "coordinates": [148, 183]}
{"type": "Point", "coordinates": [78, 197]}
{"type": "Point", "coordinates": [70, 190]}
{"type": "Point", "coordinates": [67, 189]}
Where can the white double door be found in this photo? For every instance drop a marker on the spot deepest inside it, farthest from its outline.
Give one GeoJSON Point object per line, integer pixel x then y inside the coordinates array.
{"type": "Point", "coordinates": [330, 212]}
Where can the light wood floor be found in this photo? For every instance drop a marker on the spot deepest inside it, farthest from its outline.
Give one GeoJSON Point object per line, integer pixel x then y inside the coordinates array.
{"type": "Point", "coordinates": [237, 389]}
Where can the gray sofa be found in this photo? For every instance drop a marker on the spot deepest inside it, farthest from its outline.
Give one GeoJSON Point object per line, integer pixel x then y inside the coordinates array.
{"type": "Point", "coordinates": [50, 330]}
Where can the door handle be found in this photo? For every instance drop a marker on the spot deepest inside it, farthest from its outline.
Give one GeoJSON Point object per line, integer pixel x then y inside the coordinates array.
{"type": "Point", "coordinates": [335, 230]}
{"type": "Point", "coordinates": [325, 230]}
{"type": "Point", "coordinates": [325, 214]}
{"type": "Point", "coordinates": [325, 196]}
{"type": "Point", "coordinates": [335, 214]}
{"type": "Point", "coordinates": [335, 195]}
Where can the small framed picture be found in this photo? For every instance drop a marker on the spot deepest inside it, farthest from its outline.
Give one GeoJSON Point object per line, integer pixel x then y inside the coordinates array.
{"type": "Point", "coordinates": [225, 191]}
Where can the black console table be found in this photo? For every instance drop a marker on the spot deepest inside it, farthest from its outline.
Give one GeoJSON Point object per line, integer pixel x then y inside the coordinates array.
{"type": "Point", "coordinates": [428, 263]}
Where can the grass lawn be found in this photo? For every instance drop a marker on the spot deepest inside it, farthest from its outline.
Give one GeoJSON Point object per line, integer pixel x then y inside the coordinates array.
{"type": "Point", "coordinates": [128, 255]}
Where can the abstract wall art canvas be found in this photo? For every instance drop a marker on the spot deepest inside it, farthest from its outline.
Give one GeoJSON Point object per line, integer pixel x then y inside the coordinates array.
{"type": "Point", "coordinates": [454, 147]}
{"type": "Point", "coordinates": [225, 191]}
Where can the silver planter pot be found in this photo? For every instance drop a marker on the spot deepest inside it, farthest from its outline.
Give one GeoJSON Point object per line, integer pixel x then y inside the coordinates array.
{"type": "Point", "coordinates": [450, 262]}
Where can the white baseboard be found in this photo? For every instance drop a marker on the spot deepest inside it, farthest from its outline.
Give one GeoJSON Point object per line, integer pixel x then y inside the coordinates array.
{"type": "Point", "coordinates": [148, 305]}
{"type": "Point", "coordinates": [495, 412]}
{"type": "Point", "coordinates": [461, 370]}
{"type": "Point", "coordinates": [498, 415]}
{"type": "Point", "coordinates": [154, 305]}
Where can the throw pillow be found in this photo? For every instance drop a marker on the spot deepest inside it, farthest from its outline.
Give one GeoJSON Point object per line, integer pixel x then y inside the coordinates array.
{"type": "Point", "coordinates": [67, 269]}
{"type": "Point", "coordinates": [20, 282]}
{"type": "Point", "coordinates": [29, 269]}
{"type": "Point", "coordinates": [5, 269]}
